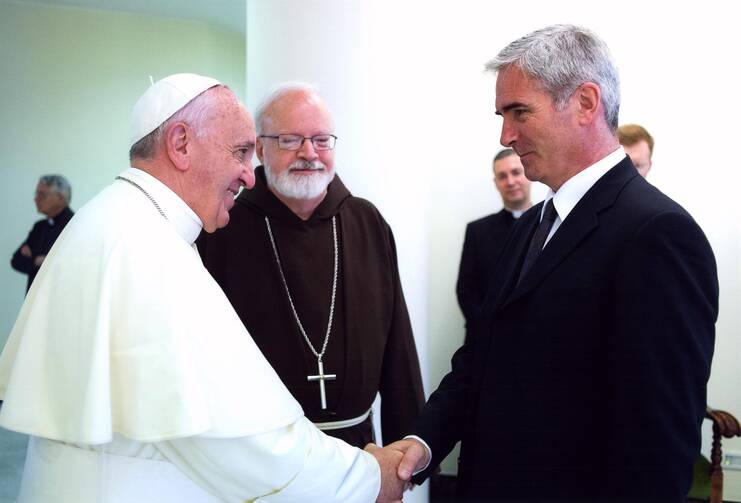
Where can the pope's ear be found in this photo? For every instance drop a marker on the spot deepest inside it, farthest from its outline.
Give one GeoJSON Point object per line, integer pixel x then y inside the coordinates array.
{"type": "Point", "coordinates": [177, 144]}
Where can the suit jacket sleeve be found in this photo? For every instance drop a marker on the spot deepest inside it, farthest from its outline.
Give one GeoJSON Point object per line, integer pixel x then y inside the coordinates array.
{"type": "Point", "coordinates": [664, 304]}
{"type": "Point", "coordinates": [21, 263]}
{"type": "Point", "coordinates": [443, 418]}
{"type": "Point", "coordinates": [467, 287]}
{"type": "Point", "coordinates": [402, 395]}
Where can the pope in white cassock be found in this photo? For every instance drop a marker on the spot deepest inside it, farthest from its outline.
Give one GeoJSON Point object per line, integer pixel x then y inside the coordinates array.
{"type": "Point", "coordinates": [128, 366]}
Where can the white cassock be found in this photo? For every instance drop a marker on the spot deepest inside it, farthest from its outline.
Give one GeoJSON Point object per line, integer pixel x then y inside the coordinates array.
{"type": "Point", "coordinates": [138, 382]}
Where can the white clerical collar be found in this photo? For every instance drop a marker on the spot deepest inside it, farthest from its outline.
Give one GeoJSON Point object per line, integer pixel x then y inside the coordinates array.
{"type": "Point", "coordinates": [180, 215]}
{"type": "Point", "coordinates": [515, 213]}
{"type": "Point", "coordinates": [573, 189]}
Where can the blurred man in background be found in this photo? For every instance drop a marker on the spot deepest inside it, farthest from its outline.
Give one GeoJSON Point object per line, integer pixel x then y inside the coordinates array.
{"type": "Point", "coordinates": [639, 145]}
{"type": "Point", "coordinates": [53, 194]}
{"type": "Point", "coordinates": [486, 236]}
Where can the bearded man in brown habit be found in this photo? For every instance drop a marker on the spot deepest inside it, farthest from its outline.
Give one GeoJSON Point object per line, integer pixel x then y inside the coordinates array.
{"type": "Point", "coordinates": [312, 272]}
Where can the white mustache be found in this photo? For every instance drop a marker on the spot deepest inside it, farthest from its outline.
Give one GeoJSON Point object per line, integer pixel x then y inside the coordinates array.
{"type": "Point", "coordinates": [315, 165]}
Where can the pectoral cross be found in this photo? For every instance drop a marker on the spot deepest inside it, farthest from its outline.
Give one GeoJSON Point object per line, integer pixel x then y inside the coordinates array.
{"type": "Point", "coordinates": [321, 377]}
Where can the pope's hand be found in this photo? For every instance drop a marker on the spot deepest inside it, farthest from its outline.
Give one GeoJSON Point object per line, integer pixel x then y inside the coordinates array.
{"type": "Point", "coordinates": [391, 486]}
{"type": "Point", "coordinates": [415, 457]}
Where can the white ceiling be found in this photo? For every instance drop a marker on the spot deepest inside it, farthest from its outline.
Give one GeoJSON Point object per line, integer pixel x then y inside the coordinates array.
{"type": "Point", "coordinates": [228, 14]}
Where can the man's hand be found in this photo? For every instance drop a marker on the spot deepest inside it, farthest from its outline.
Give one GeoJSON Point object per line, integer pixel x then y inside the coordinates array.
{"type": "Point", "coordinates": [391, 486]}
{"type": "Point", "coordinates": [415, 457]}
{"type": "Point", "coordinates": [39, 260]}
{"type": "Point", "coordinates": [26, 251]}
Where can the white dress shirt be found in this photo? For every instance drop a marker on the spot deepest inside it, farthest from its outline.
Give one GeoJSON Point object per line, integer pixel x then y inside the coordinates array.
{"type": "Point", "coordinates": [573, 189]}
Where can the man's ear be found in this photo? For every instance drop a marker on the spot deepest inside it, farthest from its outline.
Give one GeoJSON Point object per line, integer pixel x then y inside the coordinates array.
{"type": "Point", "coordinates": [588, 98]}
{"type": "Point", "coordinates": [259, 149]}
{"type": "Point", "coordinates": [178, 145]}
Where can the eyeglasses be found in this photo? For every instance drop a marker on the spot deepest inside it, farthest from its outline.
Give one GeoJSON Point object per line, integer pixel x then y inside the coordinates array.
{"type": "Point", "coordinates": [296, 141]}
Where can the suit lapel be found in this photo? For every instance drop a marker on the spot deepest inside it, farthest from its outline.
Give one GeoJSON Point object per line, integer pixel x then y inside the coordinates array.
{"type": "Point", "coordinates": [579, 224]}
{"type": "Point", "coordinates": [514, 255]}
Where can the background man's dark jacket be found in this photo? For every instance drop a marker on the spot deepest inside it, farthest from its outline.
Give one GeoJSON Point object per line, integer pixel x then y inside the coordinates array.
{"type": "Point", "coordinates": [41, 238]}
{"type": "Point", "coordinates": [482, 247]}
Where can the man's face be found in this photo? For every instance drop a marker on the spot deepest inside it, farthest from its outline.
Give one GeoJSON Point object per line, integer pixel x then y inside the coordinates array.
{"type": "Point", "coordinates": [533, 127]}
{"type": "Point", "coordinates": [222, 158]}
{"type": "Point", "coordinates": [301, 174]}
{"type": "Point", "coordinates": [48, 201]}
{"type": "Point", "coordinates": [510, 180]}
{"type": "Point", "coordinates": [640, 154]}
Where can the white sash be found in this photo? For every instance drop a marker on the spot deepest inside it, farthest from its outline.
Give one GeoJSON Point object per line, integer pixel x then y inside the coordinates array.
{"type": "Point", "coordinates": [346, 423]}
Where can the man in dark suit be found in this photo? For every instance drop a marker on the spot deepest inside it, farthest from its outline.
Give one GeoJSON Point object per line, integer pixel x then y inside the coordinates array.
{"type": "Point", "coordinates": [586, 379]}
{"type": "Point", "coordinates": [53, 194]}
{"type": "Point", "coordinates": [486, 236]}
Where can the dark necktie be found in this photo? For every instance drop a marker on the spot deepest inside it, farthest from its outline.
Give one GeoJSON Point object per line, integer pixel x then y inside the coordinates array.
{"type": "Point", "coordinates": [538, 240]}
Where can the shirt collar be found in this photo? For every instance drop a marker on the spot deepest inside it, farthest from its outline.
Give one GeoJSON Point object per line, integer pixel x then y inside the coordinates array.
{"type": "Point", "coordinates": [573, 189]}
{"type": "Point", "coordinates": [180, 215]}
{"type": "Point", "coordinates": [515, 213]}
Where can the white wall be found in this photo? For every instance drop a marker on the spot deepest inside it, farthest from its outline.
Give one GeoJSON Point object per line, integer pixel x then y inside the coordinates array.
{"type": "Point", "coordinates": [417, 128]}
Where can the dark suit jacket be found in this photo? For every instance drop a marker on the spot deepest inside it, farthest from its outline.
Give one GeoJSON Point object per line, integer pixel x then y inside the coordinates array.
{"type": "Point", "coordinates": [41, 238]}
{"type": "Point", "coordinates": [587, 381]}
{"type": "Point", "coordinates": [482, 247]}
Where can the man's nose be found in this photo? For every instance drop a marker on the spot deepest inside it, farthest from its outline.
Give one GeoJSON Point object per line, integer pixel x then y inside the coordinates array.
{"type": "Point", "coordinates": [247, 176]}
{"type": "Point", "coordinates": [307, 150]}
{"type": "Point", "coordinates": [508, 136]}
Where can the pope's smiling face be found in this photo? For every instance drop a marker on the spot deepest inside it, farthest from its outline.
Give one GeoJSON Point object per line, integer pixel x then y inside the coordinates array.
{"type": "Point", "coordinates": [223, 160]}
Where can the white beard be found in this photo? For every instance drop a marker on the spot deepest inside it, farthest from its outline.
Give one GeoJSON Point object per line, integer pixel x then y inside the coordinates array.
{"type": "Point", "coordinates": [297, 186]}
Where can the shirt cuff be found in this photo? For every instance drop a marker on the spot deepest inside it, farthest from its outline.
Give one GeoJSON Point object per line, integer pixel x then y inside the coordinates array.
{"type": "Point", "coordinates": [427, 448]}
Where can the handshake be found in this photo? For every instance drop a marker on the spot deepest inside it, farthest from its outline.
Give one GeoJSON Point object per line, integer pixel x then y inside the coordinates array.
{"type": "Point", "coordinates": [398, 461]}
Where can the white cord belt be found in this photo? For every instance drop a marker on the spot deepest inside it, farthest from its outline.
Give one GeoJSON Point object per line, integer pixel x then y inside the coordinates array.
{"type": "Point", "coordinates": [337, 425]}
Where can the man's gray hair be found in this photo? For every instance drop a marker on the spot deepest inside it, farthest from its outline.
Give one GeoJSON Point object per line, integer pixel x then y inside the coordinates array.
{"type": "Point", "coordinates": [193, 113]}
{"type": "Point", "coordinates": [58, 184]}
{"type": "Point", "coordinates": [562, 57]}
{"type": "Point", "coordinates": [274, 95]}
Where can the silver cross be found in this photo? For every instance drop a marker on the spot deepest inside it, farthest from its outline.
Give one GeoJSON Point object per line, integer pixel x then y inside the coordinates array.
{"type": "Point", "coordinates": [321, 377]}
